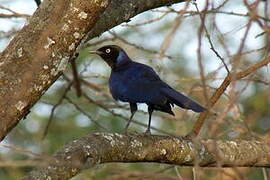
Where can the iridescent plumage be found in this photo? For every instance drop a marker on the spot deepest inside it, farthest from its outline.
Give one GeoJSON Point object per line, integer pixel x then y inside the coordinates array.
{"type": "Point", "coordinates": [134, 82]}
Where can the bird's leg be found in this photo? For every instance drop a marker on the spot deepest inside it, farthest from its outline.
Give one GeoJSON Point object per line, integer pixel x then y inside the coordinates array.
{"type": "Point", "coordinates": [150, 111]}
{"type": "Point", "coordinates": [133, 109]}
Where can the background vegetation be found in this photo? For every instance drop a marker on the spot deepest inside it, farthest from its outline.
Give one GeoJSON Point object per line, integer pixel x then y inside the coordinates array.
{"type": "Point", "coordinates": [174, 41]}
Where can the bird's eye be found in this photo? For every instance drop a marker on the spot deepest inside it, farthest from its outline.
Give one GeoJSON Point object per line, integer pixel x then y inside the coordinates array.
{"type": "Point", "coordinates": [108, 50]}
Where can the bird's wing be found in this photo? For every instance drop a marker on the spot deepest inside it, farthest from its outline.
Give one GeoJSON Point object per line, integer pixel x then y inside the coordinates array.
{"type": "Point", "coordinates": [155, 83]}
{"type": "Point", "coordinates": [149, 75]}
{"type": "Point", "coordinates": [145, 85]}
{"type": "Point", "coordinates": [139, 83]}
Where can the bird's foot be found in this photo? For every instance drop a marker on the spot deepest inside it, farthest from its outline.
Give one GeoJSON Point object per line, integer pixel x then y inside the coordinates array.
{"type": "Point", "coordinates": [125, 132]}
{"type": "Point", "coordinates": [190, 136]}
{"type": "Point", "coordinates": [147, 132]}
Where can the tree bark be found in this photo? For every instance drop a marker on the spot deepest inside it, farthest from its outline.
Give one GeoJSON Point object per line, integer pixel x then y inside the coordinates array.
{"type": "Point", "coordinates": [39, 53]}
{"type": "Point", "coordinates": [101, 148]}
{"type": "Point", "coordinates": [120, 11]}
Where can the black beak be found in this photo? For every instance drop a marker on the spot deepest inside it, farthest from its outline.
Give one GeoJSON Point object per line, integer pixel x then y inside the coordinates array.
{"type": "Point", "coordinates": [96, 52]}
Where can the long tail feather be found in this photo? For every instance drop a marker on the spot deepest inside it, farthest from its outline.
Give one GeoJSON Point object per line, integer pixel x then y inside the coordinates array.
{"type": "Point", "coordinates": [181, 100]}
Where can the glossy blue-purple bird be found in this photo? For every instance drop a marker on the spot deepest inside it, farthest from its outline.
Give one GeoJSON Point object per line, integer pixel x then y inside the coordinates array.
{"type": "Point", "coordinates": [134, 82]}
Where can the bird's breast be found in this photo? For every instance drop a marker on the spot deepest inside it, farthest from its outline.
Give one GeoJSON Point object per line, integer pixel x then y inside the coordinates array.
{"type": "Point", "coordinates": [129, 85]}
{"type": "Point", "coordinates": [118, 87]}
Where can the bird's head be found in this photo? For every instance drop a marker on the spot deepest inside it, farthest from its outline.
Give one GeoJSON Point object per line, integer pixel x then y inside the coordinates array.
{"type": "Point", "coordinates": [113, 55]}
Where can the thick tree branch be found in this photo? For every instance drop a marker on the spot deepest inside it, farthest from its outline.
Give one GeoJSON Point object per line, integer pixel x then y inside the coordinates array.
{"type": "Point", "coordinates": [120, 11]}
{"type": "Point", "coordinates": [103, 148]}
{"type": "Point", "coordinates": [39, 53]}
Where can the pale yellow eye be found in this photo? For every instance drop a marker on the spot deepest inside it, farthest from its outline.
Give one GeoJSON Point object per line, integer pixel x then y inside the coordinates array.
{"type": "Point", "coordinates": [108, 50]}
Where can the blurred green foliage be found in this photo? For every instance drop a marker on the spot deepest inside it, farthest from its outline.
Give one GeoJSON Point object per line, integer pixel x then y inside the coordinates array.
{"type": "Point", "coordinates": [250, 112]}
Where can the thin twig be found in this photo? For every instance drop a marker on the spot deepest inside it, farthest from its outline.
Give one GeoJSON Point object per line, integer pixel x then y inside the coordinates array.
{"type": "Point", "coordinates": [83, 112]}
{"type": "Point", "coordinates": [14, 14]}
{"type": "Point", "coordinates": [199, 58]}
{"type": "Point", "coordinates": [136, 46]}
{"type": "Point", "coordinates": [76, 80]}
{"type": "Point", "coordinates": [148, 22]}
{"type": "Point", "coordinates": [209, 39]}
{"type": "Point", "coordinates": [54, 108]}
{"type": "Point", "coordinates": [226, 82]}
